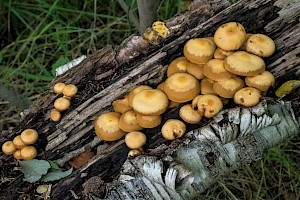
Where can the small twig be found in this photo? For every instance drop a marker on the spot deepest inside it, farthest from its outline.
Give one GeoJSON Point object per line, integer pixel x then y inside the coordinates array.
{"type": "Point", "coordinates": [131, 16]}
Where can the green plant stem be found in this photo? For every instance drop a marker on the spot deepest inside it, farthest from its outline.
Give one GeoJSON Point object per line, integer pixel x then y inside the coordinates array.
{"type": "Point", "coordinates": [147, 13]}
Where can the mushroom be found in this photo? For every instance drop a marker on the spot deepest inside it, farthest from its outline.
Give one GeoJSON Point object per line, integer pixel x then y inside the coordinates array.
{"type": "Point", "coordinates": [8, 148]}
{"type": "Point", "coordinates": [247, 96]}
{"type": "Point", "coordinates": [230, 36]}
{"type": "Point", "coordinates": [70, 90]}
{"type": "Point", "coordinates": [128, 122]}
{"type": "Point", "coordinates": [196, 70]}
{"type": "Point", "coordinates": [260, 45]}
{"type": "Point", "coordinates": [173, 129]}
{"type": "Point", "coordinates": [135, 140]}
{"type": "Point", "coordinates": [121, 105]}
{"type": "Point", "coordinates": [150, 102]}
{"type": "Point", "coordinates": [173, 104]}
{"type": "Point", "coordinates": [58, 88]}
{"type": "Point", "coordinates": [229, 87]}
{"type": "Point", "coordinates": [207, 86]}
{"type": "Point", "coordinates": [261, 81]}
{"type": "Point", "coordinates": [107, 126]}
{"type": "Point", "coordinates": [134, 153]}
{"type": "Point", "coordinates": [243, 47]}
{"type": "Point", "coordinates": [209, 105]}
{"type": "Point", "coordinates": [221, 54]}
{"type": "Point", "coordinates": [148, 121]}
{"type": "Point", "coordinates": [244, 64]}
{"type": "Point", "coordinates": [28, 153]}
{"type": "Point", "coordinates": [215, 70]}
{"type": "Point", "coordinates": [161, 87]}
{"type": "Point", "coordinates": [62, 104]}
{"type": "Point", "coordinates": [19, 144]}
{"type": "Point", "coordinates": [29, 136]}
{"type": "Point", "coordinates": [181, 87]}
{"type": "Point", "coordinates": [17, 155]}
{"type": "Point", "coordinates": [136, 90]}
{"type": "Point", "coordinates": [177, 65]}
{"type": "Point", "coordinates": [55, 115]}
{"type": "Point", "coordinates": [199, 50]}
{"type": "Point", "coordinates": [189, 115]}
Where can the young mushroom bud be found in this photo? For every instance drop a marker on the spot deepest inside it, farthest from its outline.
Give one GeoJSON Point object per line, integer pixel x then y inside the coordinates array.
{"type": "Point", "coordinates": [58, 88]}
{"type": "Point", "coordinates": [62, 104]}
{"type": "Point", "coordinates": [261, 81]}
{"type": "Point", "coordinates": [70, 90]}
{"type": "Point", "coordinates": [134, 153]}
{"type": "Point", "coordinates": [214, 69]}
{"type": "Point", "coordinates": [135, 140]}
{"type": "Point", "coordinates": [207, 86]}
{"type": "Point", "coordinates": [55, 115]}
{"type": "Point", "coordinates": [17, 155]}
{"type": "Point", "coordinates": [209, 105]}
{"type": "Point", "coordinates": [128, 122]}
{"type": "Point", "coordinates": [178, 65]}
{"type": "Point", "coordinates": [160, 86]}
{"type": "Point", "coordinates": [19, 144]}
{"type": "Point", "coordinates": [196, 70]}
{"type": "Point", "coordinates": [229, 87]}
{"type": "Point", "coordinates": [189, 115]}
{"type": "Point", "coordinates": [173, 129]}
{"type": "Point", "coordinates": [135, 91]}
{"type": "Point", "coordinates": [243, 47]}
{"type": "Point", "coordinates": [222, 54]}
{"type": "Point", "coordinates": [8, 148]}
{"type": "Point", "coordinates": [107, 126]}
{"type": "Point", "coordinates": [121, 105]}
{"type": "Point", "coordinates": [28, 153]}
{"type": "Point", "coordinates": [148, 121]}
{"type": "Point", "coordinates": [260, 45]}
{"type": "Point", "coordinates": [29, 136]}
{"type": "Point", "coordinates": [247, 96]}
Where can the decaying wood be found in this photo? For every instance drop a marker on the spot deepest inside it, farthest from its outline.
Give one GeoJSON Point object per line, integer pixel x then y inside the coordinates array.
{"type": "Point", "coordinates": [109, 74]}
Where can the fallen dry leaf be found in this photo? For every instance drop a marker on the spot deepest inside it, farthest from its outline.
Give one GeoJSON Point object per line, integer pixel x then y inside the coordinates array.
{"type": "Point", "coordinates": [81, 160]}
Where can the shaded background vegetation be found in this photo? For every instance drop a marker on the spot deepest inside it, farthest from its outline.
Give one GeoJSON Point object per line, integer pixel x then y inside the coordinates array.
{"type": "Point", "coordinates": [37, 36]}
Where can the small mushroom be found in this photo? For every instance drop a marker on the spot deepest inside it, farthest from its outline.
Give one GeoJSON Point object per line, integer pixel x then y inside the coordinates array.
{"type": "Point", "coordinates": [243, 47]}
{"type": "Point", "coordinates": [189, 115]}
{"type": "Point", "coordinates": [135, 140]}
{"type": "Point", "coordinates": [70, 90]}
{"type": "Point", "coordinates": [134, 153]}
{"type": "Point", "coordinates": [128, 122]}
{"type": "Point", "coordinates": [260, 45]}
{"type": "Point", "coordinates": [196, 70]}
{"type": "Point", "coordinates": [148, 121]}
{"type": "Point", "coordinates": [150, 102]}
{"type": "Point", "coordinates": [261, 81]}
{"type": "Point", "coordinates": [247, 96]}
{"type": "Point", "coordinates": [209, 105]}
{"type": "Point", "coordinates": [207, 86]}
{"type": "Point", "coordinates": [173, 104]}
{"type": "Point", "coordinates": [28, 153]}
{"type": "Point", "coordinates": [19, 144]}
{"type": "Point", "coordinates": [136, 90]}
{"type": "Point", "coordinates": [222, 54]}
{"type": "Point", "coordinates": [121, 105]}
{"type": "Point", "coordinates": [215, 70]}
{"type": "Point", "coordinates": [161, 87]}
{"type": "Point", "coordinates": [181, 87]}
{"type": "Point", "coordinates": [177, 65]}
{"type": "Point", "coordinates": [229, 87]}
{"type": "Point", "coordinates": [55, 115]}
{"type": "Point", "coordinates": [107, 126]}
{"type": "Point", "coordinates": [230, 36]}
{"type": "Point", "coordinates": [17, 155]}
{"type": "Point", "coordinates": [29, 136]}
{"type": "Point", "coordinates": [8, 148]}
{"type": "Point", "coordinates": [62, 104]}
{"type": "Point", "coordinates": [173, 129]}
{"type": "Point", "coordinates": [199, 50]}
{"type": "Point", "coordinates": [58, 88]}
{"type": "Point", "coordinates": [244, 64]}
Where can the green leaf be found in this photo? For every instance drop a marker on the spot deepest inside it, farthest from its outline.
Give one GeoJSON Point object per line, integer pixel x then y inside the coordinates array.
{"type": "Point", "coordinates": [61, 61]}
{"type": "Point", "coordinates": [54, 166]}
{"type": "Point", "coordinates": [33, 170]}
{"type": "Point", "coordinates": [53, 176]}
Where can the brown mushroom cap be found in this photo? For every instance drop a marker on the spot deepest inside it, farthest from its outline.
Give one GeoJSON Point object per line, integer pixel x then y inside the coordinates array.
{"type": "Point", "coordinates": [55, 115]}
{"type": "Point", "coordinates": [136, 90]}
{"type": "Point", "coordinates": [243, 47]}
{"type": "Point", "coordinates": [135, 140]}
{"type": "Point", "coordinates": [150, 102]}
{"type": "Point", "coordinates": [229, 87]}
{"type": "Point", "coordinates": [199, 50]}
{"type": "Point", "coordinates": [148, 121]}
{"type": "Point", "coordinates": [207, 86]}
{"type": "Point", "coordinates": [128, 122]}
{"type": "Point", "coordinates": [173, 129]}
{"type": "Point", "coordinates": [230, 36]}
{"type": "Point", "coordinates": [58, 88]}
{"type": "Point", "coordinates": [247, 96]}
{"type": "Point", "coordinates": [209, 105]}
{"type": "Point", "coordinates": [189, 115]}
{"type": "Point", "coordinates": [244, 64]}
{"type": "Point", "coordinates": [181, 87]}
{"type": "Point", "coordinates": [8, 148]}
{"type": "Point", "coordinates": [214, 69]}
{"type": "Point", "coordinates": [261, 81]}
{"type": "Point", "coordinates": [62, 104]}
{"type": "Point", "coordinates": [28, 153]}
{"type": "Point", "coordinates": [222, 54]}
{"type": "Point", "coordinates": [121, 105]}
{"type": "Point", "coordinates": [177, 65]}
{"type": "Point", "coordinates": [260, 45]}
{"type": "Point", "coordinates": [19, 144]}
{"type": "Point", "coordinates": [17, 155]}
{"type": "Point", "coordinates": [160, 86]}
{"type": "Point", "coordinates": [134, 153]}
{"type": "Point", "coordinates": [70, 90]}
{"type": "Point", "coordinates": [29, 136]}
{"type": "Point", "coordinates": [196, 70]}
{"type": "Point", "coordinates": [107, 126]}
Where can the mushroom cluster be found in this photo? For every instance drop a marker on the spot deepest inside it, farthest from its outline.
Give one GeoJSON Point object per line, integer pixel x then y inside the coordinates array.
{"type": "Point", "coordinates": [62, 103]}
{"type": "Point", "coordinates": [21, 146]}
